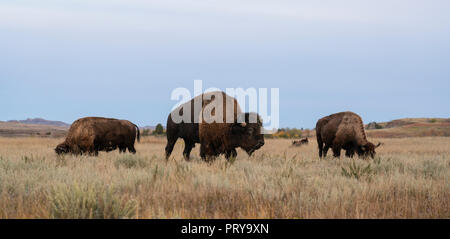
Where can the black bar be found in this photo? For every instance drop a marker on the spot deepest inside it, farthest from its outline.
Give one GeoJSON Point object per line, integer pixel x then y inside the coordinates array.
{"type": "Point", "coordinates": [223, 228]}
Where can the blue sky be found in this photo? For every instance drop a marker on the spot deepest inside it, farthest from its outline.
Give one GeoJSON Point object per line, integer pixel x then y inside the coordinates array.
{"type": "Point", "coordinates": [63, 60]}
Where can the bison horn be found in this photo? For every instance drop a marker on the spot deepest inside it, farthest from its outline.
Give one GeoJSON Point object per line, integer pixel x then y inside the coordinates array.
{"type": "Point", "coordinates": [378, 145]}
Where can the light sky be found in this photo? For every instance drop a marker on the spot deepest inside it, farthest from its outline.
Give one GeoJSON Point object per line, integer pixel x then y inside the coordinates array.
{"type": "Point", "coordinates": [66, 59]}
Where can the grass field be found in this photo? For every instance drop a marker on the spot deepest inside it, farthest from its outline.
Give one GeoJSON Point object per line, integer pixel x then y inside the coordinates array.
{"type": "Point", "coordinates": [409, 178]}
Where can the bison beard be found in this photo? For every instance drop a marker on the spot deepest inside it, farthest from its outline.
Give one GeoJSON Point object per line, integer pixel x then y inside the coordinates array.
{"type": "Point", "coordinates": [93, 134]}
{"type": "Point", "coordinates": [344, 130]}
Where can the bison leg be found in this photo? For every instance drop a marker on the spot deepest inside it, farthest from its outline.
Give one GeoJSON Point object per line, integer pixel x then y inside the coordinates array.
{"type": "Point", "coordinates": [325, 150]}
{"type": "Point", "coordinates": [231, 154]}
{"type": "Point", "coordinates": [337, 150]}
{"type": "Point", "coordinates": [131, 149]}
{"type": "Point", "coordinates": [349, 152]}
{"type": "Point", "coordinates": [202, 152]}
{"type": "Point", "coordinates": [188, 145]}
{"type": "Point", "coordinates": [113, 148]}
{"type": "Point", "coordinates": [169, 147]}
{"type": "Point", "coordinates": [92, 151]}
{"type": "Point", "coordinates": [207, 152]}
{"type": "Point", "coordinates": [320, 145]}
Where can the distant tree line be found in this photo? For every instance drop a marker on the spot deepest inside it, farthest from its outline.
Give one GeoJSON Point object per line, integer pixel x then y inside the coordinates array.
{"type": "Point", "coordinates": [289, 133]}
{"type": "Point", "coordinates": [158, 131]}
{"type": "Point", "coordinates": [374, 125]}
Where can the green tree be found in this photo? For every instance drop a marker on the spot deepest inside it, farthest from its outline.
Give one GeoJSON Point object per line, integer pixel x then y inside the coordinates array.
{"type": "Point", "coordinates": [158, 130]}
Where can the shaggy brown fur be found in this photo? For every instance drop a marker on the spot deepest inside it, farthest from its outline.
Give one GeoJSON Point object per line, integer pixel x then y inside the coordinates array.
{"type": "Point", "coordinates": [344, 130]}
{"type": "Point", "coordinates": [224, 138]}
{"type": "Point", "coordinates": [93, 134]}
{"type": "Point", "coordinates": [188, 131]}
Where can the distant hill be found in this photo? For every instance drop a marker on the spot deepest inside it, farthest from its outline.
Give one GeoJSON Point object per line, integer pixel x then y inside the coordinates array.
{"type": "Point", "coordinates": [16, 129]}
{"type": "Point", "coordinates": [409, 127]}
{"type": "Point", "coordinates": [40, 121]}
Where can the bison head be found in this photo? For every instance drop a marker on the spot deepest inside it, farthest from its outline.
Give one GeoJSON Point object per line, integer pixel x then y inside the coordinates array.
{"type": "Point", "coordinates": [369, 149]}
{"type": "Point", "coordinates": [249, 132]}
{"type": "Point", "coordinates": [62, 148]}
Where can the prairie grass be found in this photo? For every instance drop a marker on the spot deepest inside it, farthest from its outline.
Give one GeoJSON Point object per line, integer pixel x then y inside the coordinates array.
{"type": "Point", "coordinates": [409, 178]}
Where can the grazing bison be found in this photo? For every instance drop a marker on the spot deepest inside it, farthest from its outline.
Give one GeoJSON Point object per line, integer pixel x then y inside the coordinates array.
{"type": "Point", "coordinates": [93, 134]}
{"type": "Point", "coordinates": [221, 136]}
{"type": "Point", "coordinates": [300, 142]}
{"type": "Point", "coordinates": [344, 130]}
{"type": "Point", "coordinates": [350, 150]}
{"type": "Point", "coordinates": [188, 129]}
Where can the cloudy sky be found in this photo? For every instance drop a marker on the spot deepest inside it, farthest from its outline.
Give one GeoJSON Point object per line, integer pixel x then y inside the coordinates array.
{"type": "Point", "coordinates": [66, 59]}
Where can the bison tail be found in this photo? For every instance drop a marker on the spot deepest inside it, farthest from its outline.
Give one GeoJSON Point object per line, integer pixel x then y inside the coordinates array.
{"type": "Point", "coordinates": [138, 133]}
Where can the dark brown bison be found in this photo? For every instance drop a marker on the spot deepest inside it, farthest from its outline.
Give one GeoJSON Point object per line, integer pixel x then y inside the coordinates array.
{"type": "Point", "coordinates": [235, 129]}
{"type": "Point", "coordinates": [300, 142]}
{"type": "Point", "coordinates": [344, 130]}
{"type": "Point", "coordinates": [188, 129]}
{"type": "Point", "coordinates": [93, 134]}
{"type": "Point", "coordinates": [350, 150]}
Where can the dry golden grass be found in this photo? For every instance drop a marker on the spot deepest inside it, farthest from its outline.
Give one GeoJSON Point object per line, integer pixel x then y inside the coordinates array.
{"type": "Point", "coordinates": [408, 179]}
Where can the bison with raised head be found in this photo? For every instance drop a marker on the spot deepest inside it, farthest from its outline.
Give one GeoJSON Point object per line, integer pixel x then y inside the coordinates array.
{"type": "Point", "coordinates": [186, 127]}
{"type": "Point", "coordinates": [224, 128]}
{"type": "Point", "coordinates": [344, 130]}
{"type": "Point", "coordinates": [93, 134]}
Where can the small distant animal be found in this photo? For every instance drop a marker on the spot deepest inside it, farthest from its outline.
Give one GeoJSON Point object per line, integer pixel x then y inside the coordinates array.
{"type": "Point", "coordinates": [300, 142]}
{"type": "Point", "coordinates": [93, 134]}
{"type": "Point", "coordinates": [344, 130]}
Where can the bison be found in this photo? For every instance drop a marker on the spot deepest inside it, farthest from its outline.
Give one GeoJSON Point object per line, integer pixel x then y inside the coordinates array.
{"type": "Point", "coordinates": [188, 129]}
{"type": "Point", "coordinates": [344, 130]}
{"type": "Point", "coordinates": [300, 142]}
{"type": "Point", "coordinates": [93, 134]}
{"type": "Point", "coordinates": [226, 128]}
